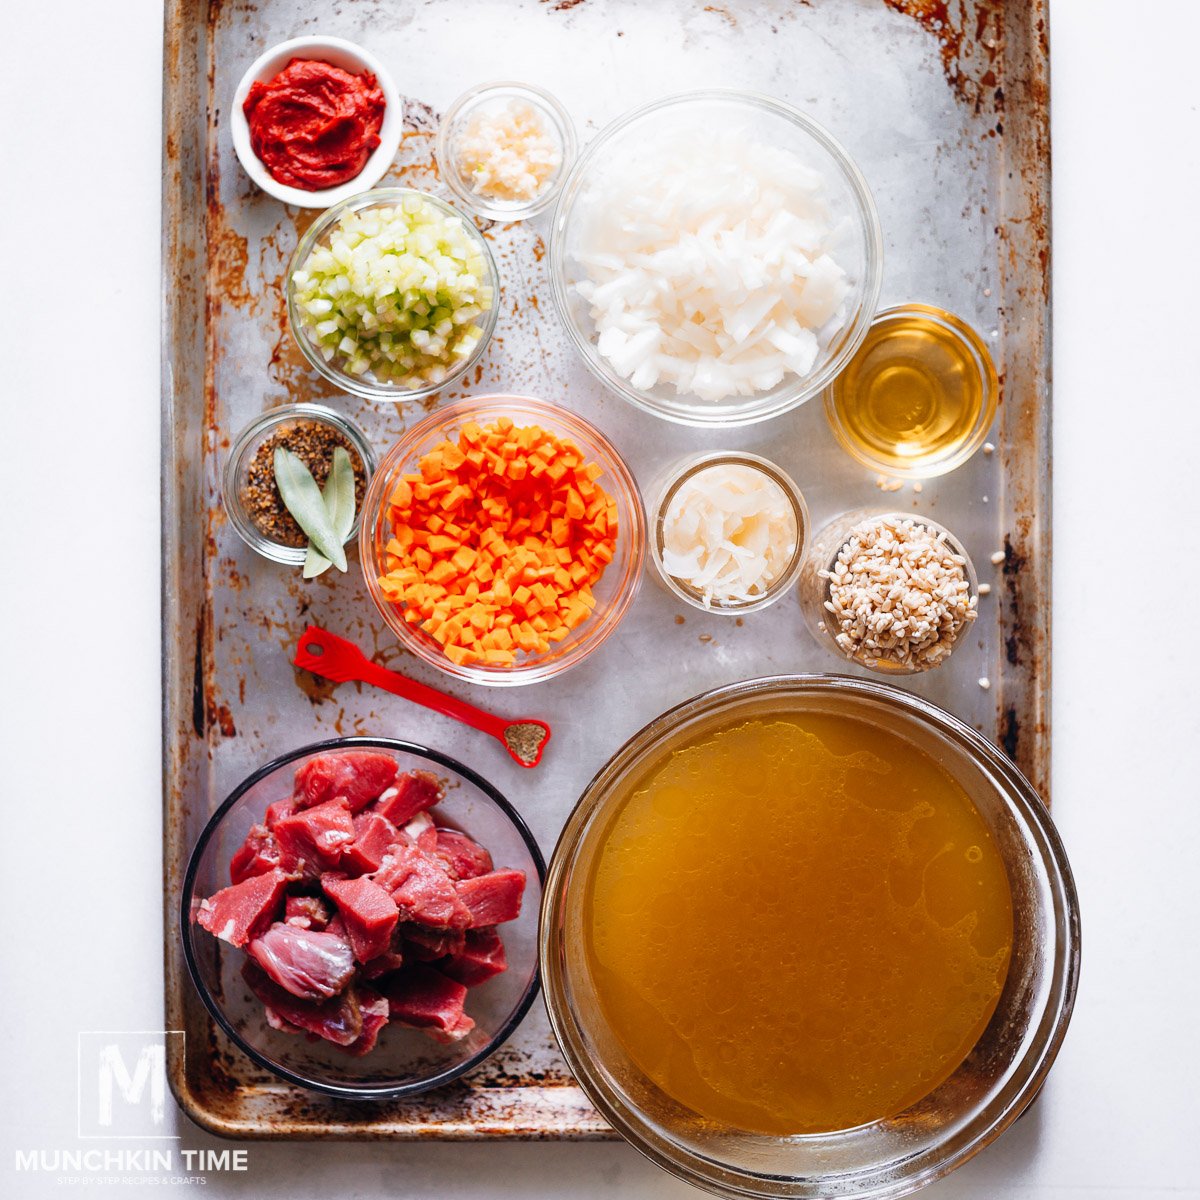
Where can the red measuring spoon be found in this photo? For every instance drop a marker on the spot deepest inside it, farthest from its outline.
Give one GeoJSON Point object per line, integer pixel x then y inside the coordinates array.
{"type": "Point", "coordinates": [332, 657]}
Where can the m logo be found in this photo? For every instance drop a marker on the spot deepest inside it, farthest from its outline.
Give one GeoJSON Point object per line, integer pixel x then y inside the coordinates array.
{"type": "Point", "coordinates": [123, 1084]}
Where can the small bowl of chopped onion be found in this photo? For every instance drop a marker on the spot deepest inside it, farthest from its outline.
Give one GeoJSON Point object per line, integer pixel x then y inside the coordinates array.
{"type": "Point", "coordinates": [728, 533]}
{"type": "Point", "coordinates": [716, 257]}
{"type": "Point", "coordinates": [392, 294]}
{"type": "Point", "coordinates": [504, 149]}
{"type": "Point", "coordinates": [893, 592]}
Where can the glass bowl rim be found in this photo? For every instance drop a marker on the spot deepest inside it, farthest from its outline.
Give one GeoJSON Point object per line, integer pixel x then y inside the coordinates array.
{"type": "Point", "coordinates": [209, 831]}
{"type": "Point", "coordinates": [802, 390]}
{"type": "Point", "coordinates": [258, 429]}
{"type": "Point", "coordinates": [496, 210]}
{"type": "Point", "coordinates": [706, 1171]}
{"type": "Point", "coordinates": [342, 380]}
{"type": "Point", "coordinates": [966, 335]}
{"type": "Point", "coordinates": [445, 415]}
{"type": "Point", "coordinates": [694, 465]}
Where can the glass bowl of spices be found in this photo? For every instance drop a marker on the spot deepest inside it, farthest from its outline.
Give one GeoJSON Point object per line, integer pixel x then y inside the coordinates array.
{"type": "Point", "coordinates": [892, 592]}
{"type": "Point", "coordinates": [312, 432]}
{"type": "Point", "coordinates": [919, 395]}
{"type": "Point", "coordinates": [505, 148]}
{"type": "Point", "coordinates": [392, 294]}
{"type": "Point", "coordinates": [729, 532]}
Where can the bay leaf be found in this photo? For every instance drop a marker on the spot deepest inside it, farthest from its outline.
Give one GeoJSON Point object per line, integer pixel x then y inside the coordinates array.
{"type": "Point", "coordinates": [302, 497]}
{"type": "Point", "coordinates": [338, 497]}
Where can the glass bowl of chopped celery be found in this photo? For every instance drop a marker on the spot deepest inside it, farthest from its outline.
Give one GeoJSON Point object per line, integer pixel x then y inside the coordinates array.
{"type": "Point", "coordinates": [716, 257]}
{"type": "Point", "coordinates": [503, 540]}
{"type": "Point", "coordinates": [392, 294]}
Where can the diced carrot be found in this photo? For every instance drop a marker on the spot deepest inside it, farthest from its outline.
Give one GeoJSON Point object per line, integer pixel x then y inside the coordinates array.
{"type": "Point", "coordinates": [495, 542]}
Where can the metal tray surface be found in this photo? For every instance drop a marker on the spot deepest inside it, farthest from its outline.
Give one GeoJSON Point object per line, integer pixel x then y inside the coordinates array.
{"type": "Point", "coordinates": [943, 103]}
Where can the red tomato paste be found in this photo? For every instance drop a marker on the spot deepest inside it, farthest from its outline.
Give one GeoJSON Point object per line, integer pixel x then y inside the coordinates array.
{"type": "Point", "coordinates": [314, 125]}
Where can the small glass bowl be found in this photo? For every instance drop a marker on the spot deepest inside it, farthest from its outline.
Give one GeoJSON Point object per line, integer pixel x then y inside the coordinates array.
{"type": "Point", "coordinates": [367, 385]}
{"type": "Point", "coordinates": [617, 587]}
{"type": "Point", "coordinates": [860, 251]}
{"type": "Point", "coordinates": [406, 1061]}
{"type": "Point", "coordinates": [822, 555]}
{"type": "Point", "coordinates": [666, 492]}
{"type": "Point", "coordinates": [238, 464]}
{"type": "Point", "coordinates": [485, 98]}
{"type": "Point", "coordinates": [885, 1159]}
{"type": "Point", "coordinates": [955, 454]}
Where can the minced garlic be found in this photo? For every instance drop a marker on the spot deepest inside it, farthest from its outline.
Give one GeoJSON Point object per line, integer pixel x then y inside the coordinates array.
{"type": "Point", "coordinates": [508, 153]}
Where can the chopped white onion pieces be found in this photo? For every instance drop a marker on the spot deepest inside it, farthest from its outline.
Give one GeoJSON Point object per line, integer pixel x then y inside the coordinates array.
{"type": "Point", "coordinates": [709, 266]}
{"type": "Point", "coordinates": [728, 533]}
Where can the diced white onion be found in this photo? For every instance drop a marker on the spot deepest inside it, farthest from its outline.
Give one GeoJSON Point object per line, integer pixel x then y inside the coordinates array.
{"type": "Point", "coordinates": [708, 264]}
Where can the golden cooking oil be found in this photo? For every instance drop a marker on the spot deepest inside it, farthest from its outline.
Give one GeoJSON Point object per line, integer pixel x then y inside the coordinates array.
{"type": "Point", "coordinates": [918, 396]}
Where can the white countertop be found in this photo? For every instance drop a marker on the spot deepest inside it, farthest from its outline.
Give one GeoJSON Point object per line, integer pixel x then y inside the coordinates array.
{"type": "Point", "coordinates": [80, 733]}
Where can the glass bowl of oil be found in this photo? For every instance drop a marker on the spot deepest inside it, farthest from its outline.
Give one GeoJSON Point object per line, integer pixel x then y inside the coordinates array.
{"type": "Point", "coordinates": [919, 395]}
{"type": "Point", "coordinates": [809, 936]}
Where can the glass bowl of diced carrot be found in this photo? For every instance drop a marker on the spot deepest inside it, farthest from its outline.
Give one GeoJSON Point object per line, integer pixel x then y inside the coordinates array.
{"type": "Point", "coordinates": [503, 539]}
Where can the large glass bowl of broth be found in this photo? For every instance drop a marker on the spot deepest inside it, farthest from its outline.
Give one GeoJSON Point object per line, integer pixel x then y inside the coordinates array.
{"type": "Point", "coordinates": [809, 936]}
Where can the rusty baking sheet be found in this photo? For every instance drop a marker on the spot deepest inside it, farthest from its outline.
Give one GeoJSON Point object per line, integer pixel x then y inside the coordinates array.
{"type": "Point", "coordinates": [943, 103]}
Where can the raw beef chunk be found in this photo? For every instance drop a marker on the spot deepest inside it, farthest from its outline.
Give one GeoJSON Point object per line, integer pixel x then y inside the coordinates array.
{"type": "Point", "coordinates": [257, 855]}
{"type": "Point", "coordinates": [421, 996]}
{"type": "Point", "coordinates": [375, 1013]}
{"type": "Point", "coordinates": [464, 859]}
{"type": "Point", "coordinates": [238, 913]}
{"type": "Point", "coordinates": [277, 811]}
{"type": "Point", "coordinates": [480, 959]}
{"type": "Point", "coordinates": [413, 793]}
{"type": "Point", "coordinates": [312, 840]}
{"type": "Point", "coordinates": [423, 832]}
{"type": "Point", "coordinates": [357, 776]}
{"type": "Point", "coordinates": [369, 913]}
{"type": "Point", "coordinates": [373, 834]}
{"type": "Point", "coordinates": [306, 912]}
{"type": "Point", "coordinates": [338, 1020]}
{"type": "Point", "coordinates": [493, 898]}
{"type": "Point", "coordinates": [423, 892]}
{"type": "Point", "coordinates": [309, 964]}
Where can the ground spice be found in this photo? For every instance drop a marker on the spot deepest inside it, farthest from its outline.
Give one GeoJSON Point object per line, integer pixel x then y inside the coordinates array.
{"type": "Point", "coordinates": [314, 443]}
{"type": "Point", "coordinates": [524, 739]}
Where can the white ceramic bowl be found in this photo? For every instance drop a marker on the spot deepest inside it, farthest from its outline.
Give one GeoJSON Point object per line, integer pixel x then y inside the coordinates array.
{"type": "Point", "coordinates": [349, 57]}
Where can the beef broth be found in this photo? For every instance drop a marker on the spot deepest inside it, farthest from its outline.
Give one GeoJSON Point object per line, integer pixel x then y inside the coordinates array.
{"type": "Point", "coordinates": [798, 924]}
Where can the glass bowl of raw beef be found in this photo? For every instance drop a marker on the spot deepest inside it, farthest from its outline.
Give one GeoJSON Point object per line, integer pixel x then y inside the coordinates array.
{"type": "Point", "coordinates": [360, 917]}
